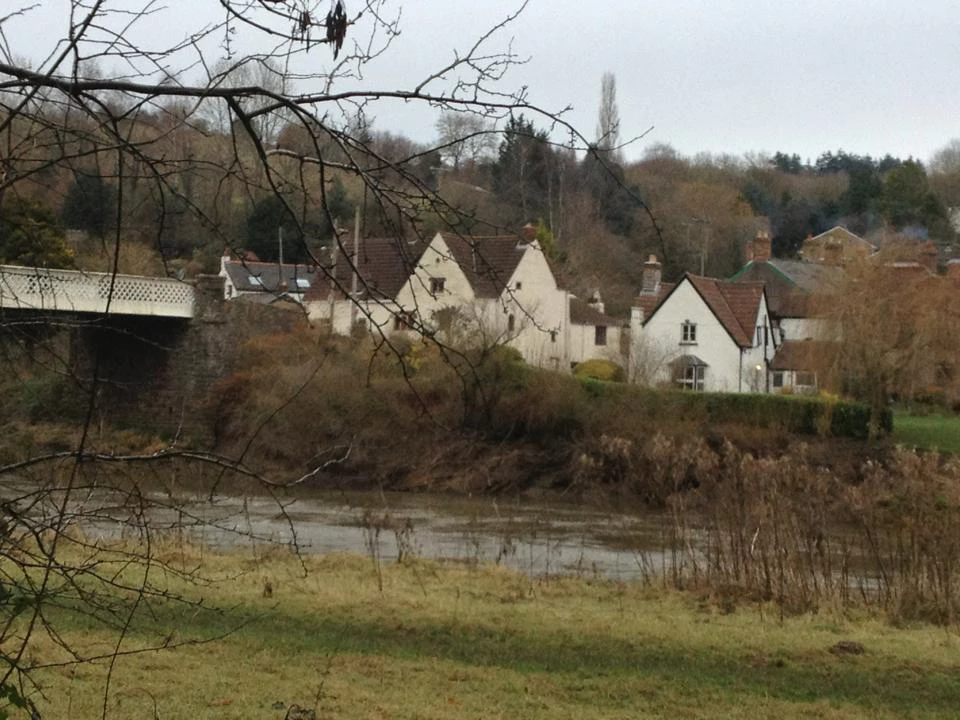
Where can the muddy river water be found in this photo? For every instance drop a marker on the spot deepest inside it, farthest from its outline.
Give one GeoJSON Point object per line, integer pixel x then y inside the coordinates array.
{"type": "Point", "coordinates": [536, 537]}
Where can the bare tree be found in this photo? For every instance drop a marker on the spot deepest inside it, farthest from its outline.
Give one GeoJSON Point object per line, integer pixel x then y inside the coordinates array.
{"type": "Point", "coordinates": [465, 137]}
{"type": "Point", "coordinates": [188, 122]}
{"type": "Point", "coordinates": [608, 122]}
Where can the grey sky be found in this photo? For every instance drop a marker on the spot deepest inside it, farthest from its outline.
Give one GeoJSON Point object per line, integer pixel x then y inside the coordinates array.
{"type": "Point", "coordinates": [746, 76]}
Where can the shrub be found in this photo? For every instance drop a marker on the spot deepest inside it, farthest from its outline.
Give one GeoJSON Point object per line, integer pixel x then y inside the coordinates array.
{"type": "Point", "coordinates": [599, 369]}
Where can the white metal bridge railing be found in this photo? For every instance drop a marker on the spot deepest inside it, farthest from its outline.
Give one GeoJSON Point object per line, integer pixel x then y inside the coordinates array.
{"type": "Point", "coordinates": [29, 288]}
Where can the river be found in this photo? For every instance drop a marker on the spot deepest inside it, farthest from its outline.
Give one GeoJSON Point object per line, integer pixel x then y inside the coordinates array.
{"type": "Point", "coordinates": [537, 537]}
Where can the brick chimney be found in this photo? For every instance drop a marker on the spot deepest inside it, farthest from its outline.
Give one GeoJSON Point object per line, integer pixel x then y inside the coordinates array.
{"type": "Point", "coordinates": [758, 249]}
{"type": "Point", "coordinates": [651, 276]}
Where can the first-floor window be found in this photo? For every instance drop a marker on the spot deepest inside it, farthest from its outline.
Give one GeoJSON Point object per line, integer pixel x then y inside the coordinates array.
{"type": "Point", "coordinates": [511, 323]}
{"type": "Point", "coordinates": [600, 335]}
{"type": "Point", "coordinates": [688, 332]}
{"type": "Point", "coordinates": [437, 285]}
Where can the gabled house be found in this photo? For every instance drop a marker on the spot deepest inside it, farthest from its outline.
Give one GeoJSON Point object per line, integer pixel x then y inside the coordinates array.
{"type": "Point", "coordinates": [260, 282]}
{"type": "Point", "coordinates": [701, 334]}
{"type": "Point", "coordinates": [796, 291]}
{"type": "Point", "coordinates": [494, 290]}
{"type": "Point", "coordinates": [792, 287]}
{"type": "Point", "coordinates": [836, 246]}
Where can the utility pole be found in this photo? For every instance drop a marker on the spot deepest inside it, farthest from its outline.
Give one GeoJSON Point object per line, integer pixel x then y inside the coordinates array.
{"type": "Point", "coordinates": [356, 271]}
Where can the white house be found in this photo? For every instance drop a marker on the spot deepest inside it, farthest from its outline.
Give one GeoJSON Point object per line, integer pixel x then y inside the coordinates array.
{"type": "Point", "coordinates": [262, 282]}
{"type": "Point", "coordinates": [496, 289]}
{"type": "Point", "coordinates": [701, 334]}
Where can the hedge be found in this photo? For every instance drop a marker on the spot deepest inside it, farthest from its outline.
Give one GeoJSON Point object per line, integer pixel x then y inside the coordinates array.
{"type": "Point", "coordinates": [794, 413]}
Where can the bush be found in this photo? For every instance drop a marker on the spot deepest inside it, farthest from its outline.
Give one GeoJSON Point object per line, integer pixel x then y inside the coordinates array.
{"type": "Point", "coordinates": [599, 369]}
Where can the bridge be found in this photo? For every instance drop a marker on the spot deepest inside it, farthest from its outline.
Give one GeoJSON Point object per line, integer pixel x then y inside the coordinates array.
{"type": "Point", "coordinates": [77, 291]}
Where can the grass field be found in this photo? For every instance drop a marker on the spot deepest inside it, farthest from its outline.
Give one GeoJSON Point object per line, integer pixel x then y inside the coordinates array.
{"type": "Point", "coordinates": [928, 432]}
{"type": "Point", "coordinates": [442, 641]}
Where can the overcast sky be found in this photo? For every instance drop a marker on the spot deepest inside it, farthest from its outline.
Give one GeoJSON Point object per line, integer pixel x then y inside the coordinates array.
{"type": "Point", "coordinates": [733, 76]}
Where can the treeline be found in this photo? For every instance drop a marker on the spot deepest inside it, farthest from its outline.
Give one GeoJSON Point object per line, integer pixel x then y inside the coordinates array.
{"type": "Point", "coordinates": [189, 183]}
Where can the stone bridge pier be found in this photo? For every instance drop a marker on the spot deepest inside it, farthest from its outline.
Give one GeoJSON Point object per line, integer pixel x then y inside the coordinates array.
{"type": "Point", "coordinates": [161, 373]}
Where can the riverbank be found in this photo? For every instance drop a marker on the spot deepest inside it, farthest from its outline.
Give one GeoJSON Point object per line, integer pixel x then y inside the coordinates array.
{"type": "Point", "coordinates": [356, 639]}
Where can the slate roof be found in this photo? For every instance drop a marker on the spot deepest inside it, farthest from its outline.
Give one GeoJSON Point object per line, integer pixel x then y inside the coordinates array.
{"type": "Point", "coordinates": [488, 262]}
{"type": "Point", "coordinates": [789, 283]}
{"type": "Point", "coordinates": [383, 266]}
{"type": "Point", "coordinates": [582, 314]}
{"type": "Point", "coordinates": [263, 277]}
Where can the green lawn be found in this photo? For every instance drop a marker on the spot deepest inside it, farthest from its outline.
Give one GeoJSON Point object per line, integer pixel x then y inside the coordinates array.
{"type": "Point", "coordinates": [929, 432]}
{"type": "Point", "coordinates": [451, 642]}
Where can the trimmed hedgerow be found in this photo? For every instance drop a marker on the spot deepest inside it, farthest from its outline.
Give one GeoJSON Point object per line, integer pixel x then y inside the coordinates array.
{"type": "Point", "coordinates": [813, 415]}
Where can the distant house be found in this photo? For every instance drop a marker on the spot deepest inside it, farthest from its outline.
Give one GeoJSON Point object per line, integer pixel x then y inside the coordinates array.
{"type": "Point", "coordinates": [836, 246]}
{"type": "Point", "coordinates": [496, 290]}
{"type": "Point", "coordinates": [255, 281]}
{"type": "Point", "coordinates": [793, 288]}
{"type": "Point", "coordinates": [796, 292]}
{"type": "Point", "coordinates": [701, 334]}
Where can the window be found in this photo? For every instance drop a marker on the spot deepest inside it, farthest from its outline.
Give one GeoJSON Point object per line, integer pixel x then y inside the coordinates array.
{"type": "Point", "coordinates": [436, 285]}
{"type": "Point", "coordinates": [303, 283]}
{"type": "Point", "coordinates": [691, 377]}
{"type": "Point", "coordinates": [255, 281]}
{"type": "Point", "coordinates": [805, 379]}
{"type": "Point", "coordinates": [688, 333]}
{"type": "Point", "coordinates": [778, 379]}
{"type": "Point", "coordinates": [553, 336]}
{"type": "Point", "coordinates": [403, 321]}
{"type": "Point", "coordinates": [511, 323]}
{"type": "Point", "coordinates": [518, 286]}
{"type": "Point", "coordinates": [600, 335]}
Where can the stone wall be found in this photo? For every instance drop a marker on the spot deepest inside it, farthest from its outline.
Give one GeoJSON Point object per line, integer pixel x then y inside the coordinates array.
{"type": "Point", "coordinates": [161, 374]}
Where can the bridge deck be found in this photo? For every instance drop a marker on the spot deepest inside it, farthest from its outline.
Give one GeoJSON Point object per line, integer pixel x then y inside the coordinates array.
{"type": "Point", "coordinates": [28, 288]}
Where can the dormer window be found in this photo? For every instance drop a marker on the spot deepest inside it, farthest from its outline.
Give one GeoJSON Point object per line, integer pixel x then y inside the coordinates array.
{"type": "Point", "coordinates": [688, 333]}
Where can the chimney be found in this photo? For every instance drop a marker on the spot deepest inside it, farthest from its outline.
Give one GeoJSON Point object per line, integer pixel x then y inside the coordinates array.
{"type": "Point", "coordinates": [651, 277]}
{"type": "Point", "coordinates": [760, 252]}
{"type": "Point", "coordinates": [596, 302]}
{"type": "Point", "coordinates": [528, 233]}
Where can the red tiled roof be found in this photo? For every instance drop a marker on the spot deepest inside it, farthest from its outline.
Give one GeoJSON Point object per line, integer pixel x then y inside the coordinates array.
{"type": "Point", "coordinates": [383, 265]}
{"type": "Point", "coordinates": [799, 355]}
{"type": "Point", "coordinates": [488, 262]}
{"type": "Point", "coordinates": [735, 305]}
